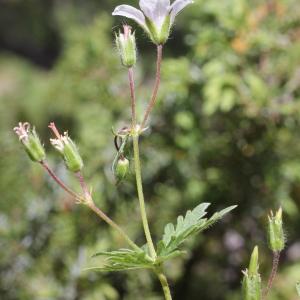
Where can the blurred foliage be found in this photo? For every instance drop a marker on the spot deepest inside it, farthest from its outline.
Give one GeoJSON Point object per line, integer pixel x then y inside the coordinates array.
{"type": "Point", "coordinates": [225, 131]}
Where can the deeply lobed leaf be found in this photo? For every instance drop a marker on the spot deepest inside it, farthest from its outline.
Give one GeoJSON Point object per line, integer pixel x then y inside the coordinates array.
{"type": "Point", "coordinates": [124, 259]}
{"type": "Point", "coordinates": [187, 226]}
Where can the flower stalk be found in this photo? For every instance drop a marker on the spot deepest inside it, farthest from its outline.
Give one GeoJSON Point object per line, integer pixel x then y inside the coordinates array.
{"type": "Point", "coordinates": [139, 185]}
{"type": "Point", "coordinates": [156, 85]}
{"type": "Point", "coordinates": [275, 263]}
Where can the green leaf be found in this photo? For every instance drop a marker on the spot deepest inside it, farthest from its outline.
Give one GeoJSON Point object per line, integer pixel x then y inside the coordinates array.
{"type": "Point", "coordinates": [124, 259]}
{"type": "Point", "coordinates": [191, 224]}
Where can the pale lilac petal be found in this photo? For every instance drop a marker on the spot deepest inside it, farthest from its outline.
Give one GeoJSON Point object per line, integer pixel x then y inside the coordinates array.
{"type": "Point", "coordinates": [155, 10]}
{"type": "Point", "coordinates": [131, 13]}
{"type": "Point", "coordinates": [177, 7]}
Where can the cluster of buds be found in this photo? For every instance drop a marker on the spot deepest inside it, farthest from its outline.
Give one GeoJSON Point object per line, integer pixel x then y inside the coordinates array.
{"type": "Point", "coordinates": [126, 46]}
{"type": "Point", "coordinates": [67, 148]}
{"type": "Point", "coordinates": [31, 142]}
{"type": "Point", "coordinates": [275, 231]}
{"type": "Point", "coordinates": [252, 280]}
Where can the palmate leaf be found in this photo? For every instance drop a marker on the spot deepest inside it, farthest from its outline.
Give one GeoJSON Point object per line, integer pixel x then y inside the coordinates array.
{"type": "Point", "coordinates": [187, 226]}
{"type": "Point", "coordinates": [124, 259]}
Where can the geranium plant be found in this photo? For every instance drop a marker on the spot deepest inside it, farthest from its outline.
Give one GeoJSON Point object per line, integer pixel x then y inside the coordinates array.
{"type": "Point", "coordinates": [156, 17]}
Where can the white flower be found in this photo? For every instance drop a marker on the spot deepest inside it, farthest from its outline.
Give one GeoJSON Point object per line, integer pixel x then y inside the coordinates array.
{"type": "Point", "coordinates": [156, 17]}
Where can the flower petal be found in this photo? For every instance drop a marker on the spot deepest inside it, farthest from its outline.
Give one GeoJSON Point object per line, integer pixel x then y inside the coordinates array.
{"type": "Point", "coordinates": [155, 10]}
{"type": "Point", "coordinates": [131, 13]}
{"type": "Point", "coordinates": [177, 7]}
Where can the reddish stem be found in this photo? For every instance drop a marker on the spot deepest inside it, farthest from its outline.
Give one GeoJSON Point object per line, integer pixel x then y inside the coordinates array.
{"type": "Point", "coordinates": [45, 165]}
{"type": "Point", "coordinates": [90, 203]}
{"type": "Point", "coordinates": [156, 86]}
{"type": "Point", "coordinates": [275, 263]}
{"type": "Point", "coordinates": [83, 185]}
{"type": "Point", "coordinates": [132, 95]}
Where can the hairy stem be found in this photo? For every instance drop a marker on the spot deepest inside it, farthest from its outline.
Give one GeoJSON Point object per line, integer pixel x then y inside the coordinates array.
{"type": "Point", "coordinates": [156, 86]}
{"type": "Point", "coordinates": [275, 263]}
{"type": "Point", "coordinates": [45, 165]}
{"type": "Point", "coordinates": [90, 203]}
{"type": "Point", "coordinates": [165, 286]}
{"type": "Point", "coordinates": [132, 96]}
{"type": "Point", "coordinates": [139, 185]}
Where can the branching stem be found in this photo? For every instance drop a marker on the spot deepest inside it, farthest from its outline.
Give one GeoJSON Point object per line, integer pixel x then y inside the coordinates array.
{"type": "Point", "coordinates": [275, 263]}
{"type": "Point", "coordinates": [156, 86]}
{"type": "Point", "coordinates": [90, 203]}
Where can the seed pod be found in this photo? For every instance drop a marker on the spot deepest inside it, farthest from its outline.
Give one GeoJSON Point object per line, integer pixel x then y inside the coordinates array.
{"type": "Point", "coordinates": [275, 231]}
{"type": "Point", "coordinates": [121, 168]}
{"type": "Point", "coordinates": [127, 47]}
{"type": "Point", "coordinates": [72, 157]}
{"type": "Point", "coordinates": [251, 286]}
{"type": "Point", "coordinates": [67, 148]}
{"type": "Point", "coordinates": [31, 142]}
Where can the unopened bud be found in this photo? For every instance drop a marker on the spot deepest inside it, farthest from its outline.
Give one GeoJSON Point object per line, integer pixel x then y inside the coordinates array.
{"type": "Point", "coordinates": [67, 148]}
{"type": "Point", "coordinates": [121, 168]}
{"type": "Point", "coordinates": [31, 142]}
{"type": "Point", "coordinates": [251, 286]}
{"type": "Point", "coordinates": [126, 46]}
{"type": "Point", "coordinates": [275, 231]}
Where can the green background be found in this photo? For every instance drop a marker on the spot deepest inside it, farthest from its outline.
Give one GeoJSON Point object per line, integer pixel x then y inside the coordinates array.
{"type": "Point", "coordinates": [226, 131]}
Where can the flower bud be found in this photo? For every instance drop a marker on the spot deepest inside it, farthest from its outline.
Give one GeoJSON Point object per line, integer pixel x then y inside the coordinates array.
{"type": "Point", "coordinates": [31, 142]}
{"type": "Point", "coordinates": [67, 148]}
{"type": "Point", "coordinates": [251, 286]}
{"type": "Point", "coordinates": [275, 231]}
{"type": "Point", "coordinates": [121, 168]}
{"type": "Point", "coordinates": [127, 47]}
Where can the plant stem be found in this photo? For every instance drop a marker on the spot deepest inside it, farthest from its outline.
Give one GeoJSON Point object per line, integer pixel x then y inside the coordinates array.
{"type": "Point", "coordinates": [275, 263]}
{"type": "Point", "coordinates": [45, 165]}
{"type": "Point", "coordinates": [156, 86]}
{"type": "Point", "coordinates": [139, 185]}
{"type": "Point", "coordinates": [165, 286]}
{"type": "Point", "coordinates": [90, 203]}
{"type": "Point", "coordinates": [132, 96]}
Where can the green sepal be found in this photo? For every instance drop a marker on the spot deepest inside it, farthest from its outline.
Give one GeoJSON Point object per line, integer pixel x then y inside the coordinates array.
{"type": "Point", "coordinates": [127, 49]}
{"type": "Point", "coordinates": [251, 285]}
{"type": "Point", "coordinates": [72, 157]}
{"type": "Point", "coordinates": [275, 231]}
{"type": "Point", "coordinates": [34, 148]}
{"type": "Point", "coordinates": [253, 265]}
{"type": "Point", "coordinates": [159, 36]}
{"type": "Point", "coordinates": [121, 168]}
